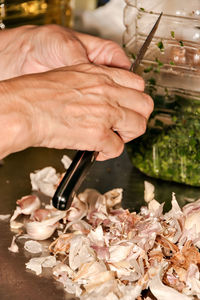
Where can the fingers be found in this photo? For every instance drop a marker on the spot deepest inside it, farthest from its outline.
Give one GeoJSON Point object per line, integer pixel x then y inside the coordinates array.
{"type": "Point", "coordinates": [130, 95]}
{"type": "Point", "coordinates": [104, 52]}
{"type": "Point", "coordinates": [130, 126]}
{"type": "Point", "coordinates": [121, 77]}
{"type": "Point", "coordinates": [132, 99]}
{"type": "Point", "coordinates": [107, 143]}
{"type": "Point", "coordinates": [86, 107]}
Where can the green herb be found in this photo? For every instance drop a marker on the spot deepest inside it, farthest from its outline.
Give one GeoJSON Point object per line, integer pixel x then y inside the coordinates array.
{"type": "Point", "coordinates": [133, 55]}
{"type": "Point", "coordinates": [181, 43]}
{"type": "Point", "coordinates": [172, 63]}
{"type": "Point", "coordinates": [160, 64]}
{"type": "Point", "coordinates": [148, 69]}
{"type": "Point", "coordinates": [172, 34]}
{"type": "Point", "coordinates": [157, 70]}
{"type": "Point", "coordinates": [151, 81]}
{"type": "Point", "coordinates": [160, 46]}
{"type": "Point", "coordinates": [166, 93]}
{"type": "Point", "coordinates": [170, 149]}
{"type": "Point", "coordinates": [151, 86]}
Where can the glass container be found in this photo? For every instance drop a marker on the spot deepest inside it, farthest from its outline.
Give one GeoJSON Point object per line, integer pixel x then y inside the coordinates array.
{"type": "Point", "coordinates": [38, 12]}
{"type": "Point", "coordinates": [170, 148]}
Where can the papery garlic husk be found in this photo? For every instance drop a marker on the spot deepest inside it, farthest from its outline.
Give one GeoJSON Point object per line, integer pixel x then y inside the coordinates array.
{"type": "Point", "coordinates": [26, 206]}
{"type": "Point", "coordinates": [77, 210]}
{"type": "Point", "coordinates": [164, 292]}
{"type": "Point", "coordinates": [149, 191]}
{"type": "Point", "coordinates": [13, 247]}
{"type": "Point", "coordinates": [45, 180]}
{"type": "Point", "coordinates": [33, 246]}
{"type": "Point", "coordinates": [4, 217]}
{"type": "Point", "coordinates": [66, 160]}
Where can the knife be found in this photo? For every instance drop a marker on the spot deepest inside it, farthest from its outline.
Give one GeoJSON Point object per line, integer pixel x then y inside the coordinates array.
{"type": "Point", "coordinates": [84, 160]}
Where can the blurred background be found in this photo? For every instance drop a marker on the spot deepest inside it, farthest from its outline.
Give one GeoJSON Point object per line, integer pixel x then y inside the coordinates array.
{"type": "Point", "coordinates": [98, 17]}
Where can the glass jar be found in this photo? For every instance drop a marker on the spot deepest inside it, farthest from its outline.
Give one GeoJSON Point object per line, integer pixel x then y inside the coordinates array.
{"type": "Point", "coordinates": [38, 12]}
{"type": "Point", "coordinates": [170, 149]}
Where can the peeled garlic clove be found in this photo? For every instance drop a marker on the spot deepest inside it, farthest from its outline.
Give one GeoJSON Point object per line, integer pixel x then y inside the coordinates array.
{"type": "Point", "coordinates": [39, 231]}
{"type": "Point", "coordinates": [43, 230]}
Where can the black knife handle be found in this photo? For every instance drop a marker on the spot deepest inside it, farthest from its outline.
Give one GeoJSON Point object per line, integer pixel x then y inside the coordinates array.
{"type": "Point", "coordinates": [73, 178]}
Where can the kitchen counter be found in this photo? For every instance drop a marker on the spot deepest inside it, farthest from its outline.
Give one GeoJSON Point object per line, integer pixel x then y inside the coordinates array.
{"type": "Point", "coordinates": [17, 283]}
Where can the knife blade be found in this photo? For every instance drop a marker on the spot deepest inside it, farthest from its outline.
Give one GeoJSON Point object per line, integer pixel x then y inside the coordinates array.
{"type": "Point", "coordinates": [84, 160]}
{"type": "Point", "coordinates": [145, 46]}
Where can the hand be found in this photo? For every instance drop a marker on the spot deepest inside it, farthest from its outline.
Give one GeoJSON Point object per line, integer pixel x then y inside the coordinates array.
{"type": "Point", "coordinates": [77, 107]}
{"type": "Point", "coordinates": [34, 49]}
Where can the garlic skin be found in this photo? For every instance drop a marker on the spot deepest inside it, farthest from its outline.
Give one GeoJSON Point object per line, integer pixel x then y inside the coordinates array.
{"type": "Point", "coordinates": [13, 247]}
{"type": "Point", "coordinates": [26, 206]}
{"type": "Point", "coordinates": [33, 247]}
{"type": "Point", "coordinates": [192, 224]}
{"type": "Point", "coordinates": [36, 264]}
{"type": "Point", "coordinates": [66, 160]}
{"type": "Point", "coordinates": [193, 220]}
{"type": "Point", "coordinates": [149, 192]}
{"type": "Point", "coordinates": [4, 217]}
{"type": "Point", "coordinates": [45, 180]}
{"type": "Point", "coordinates": [163, 292]}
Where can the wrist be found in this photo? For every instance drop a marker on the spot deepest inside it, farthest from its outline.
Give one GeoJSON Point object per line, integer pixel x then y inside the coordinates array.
{"type": "Point", "coordinates": [15, 129]}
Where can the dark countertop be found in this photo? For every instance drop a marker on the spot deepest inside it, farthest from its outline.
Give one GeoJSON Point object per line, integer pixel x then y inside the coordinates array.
{"type": "Point", "coordinates": [16, 283]}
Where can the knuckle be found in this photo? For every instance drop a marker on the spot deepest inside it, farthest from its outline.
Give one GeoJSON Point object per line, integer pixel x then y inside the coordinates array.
{"type": "Point", "coordinates": [105, 83]}
{"type": "Point", "coordinates": [142, 126]}
{"type": "Point", "coordinates": [149, 104]}
{"type": "Point", "coordinates": [119, 149]}
{"type": "Point", "coordinates": [110, 45]}
{"type": "Point", "coordinates": [139, 82]}
{"type": "Point", "coordinates": [49, 28]}
{"type": "Point", "coordinates": [101, 134]}
{"type": "Point", "coordinates": [107, 79]}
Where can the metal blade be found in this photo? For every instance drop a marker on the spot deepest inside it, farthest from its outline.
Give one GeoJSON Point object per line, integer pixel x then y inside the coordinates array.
{"type": "Point", "coordinates": [145, 46]}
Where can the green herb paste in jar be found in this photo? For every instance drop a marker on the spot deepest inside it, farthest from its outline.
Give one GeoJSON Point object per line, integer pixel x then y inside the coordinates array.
{"type": "Point", "coordinates": [170, 149]}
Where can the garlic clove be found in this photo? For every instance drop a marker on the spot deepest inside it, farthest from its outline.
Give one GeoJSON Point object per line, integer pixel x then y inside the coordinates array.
{"type": "Point", "coordinates": [26, 205]}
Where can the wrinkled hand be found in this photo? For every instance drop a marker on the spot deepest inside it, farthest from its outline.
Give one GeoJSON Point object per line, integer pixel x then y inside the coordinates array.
{"type": "Point", "coordinates": [35, 49]}
{"type": "Point", "coordinates": [76, 107]}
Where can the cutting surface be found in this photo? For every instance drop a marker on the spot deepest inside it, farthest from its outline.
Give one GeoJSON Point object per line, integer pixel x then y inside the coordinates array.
{"type": "Point", "coordinates": [17, 283]}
